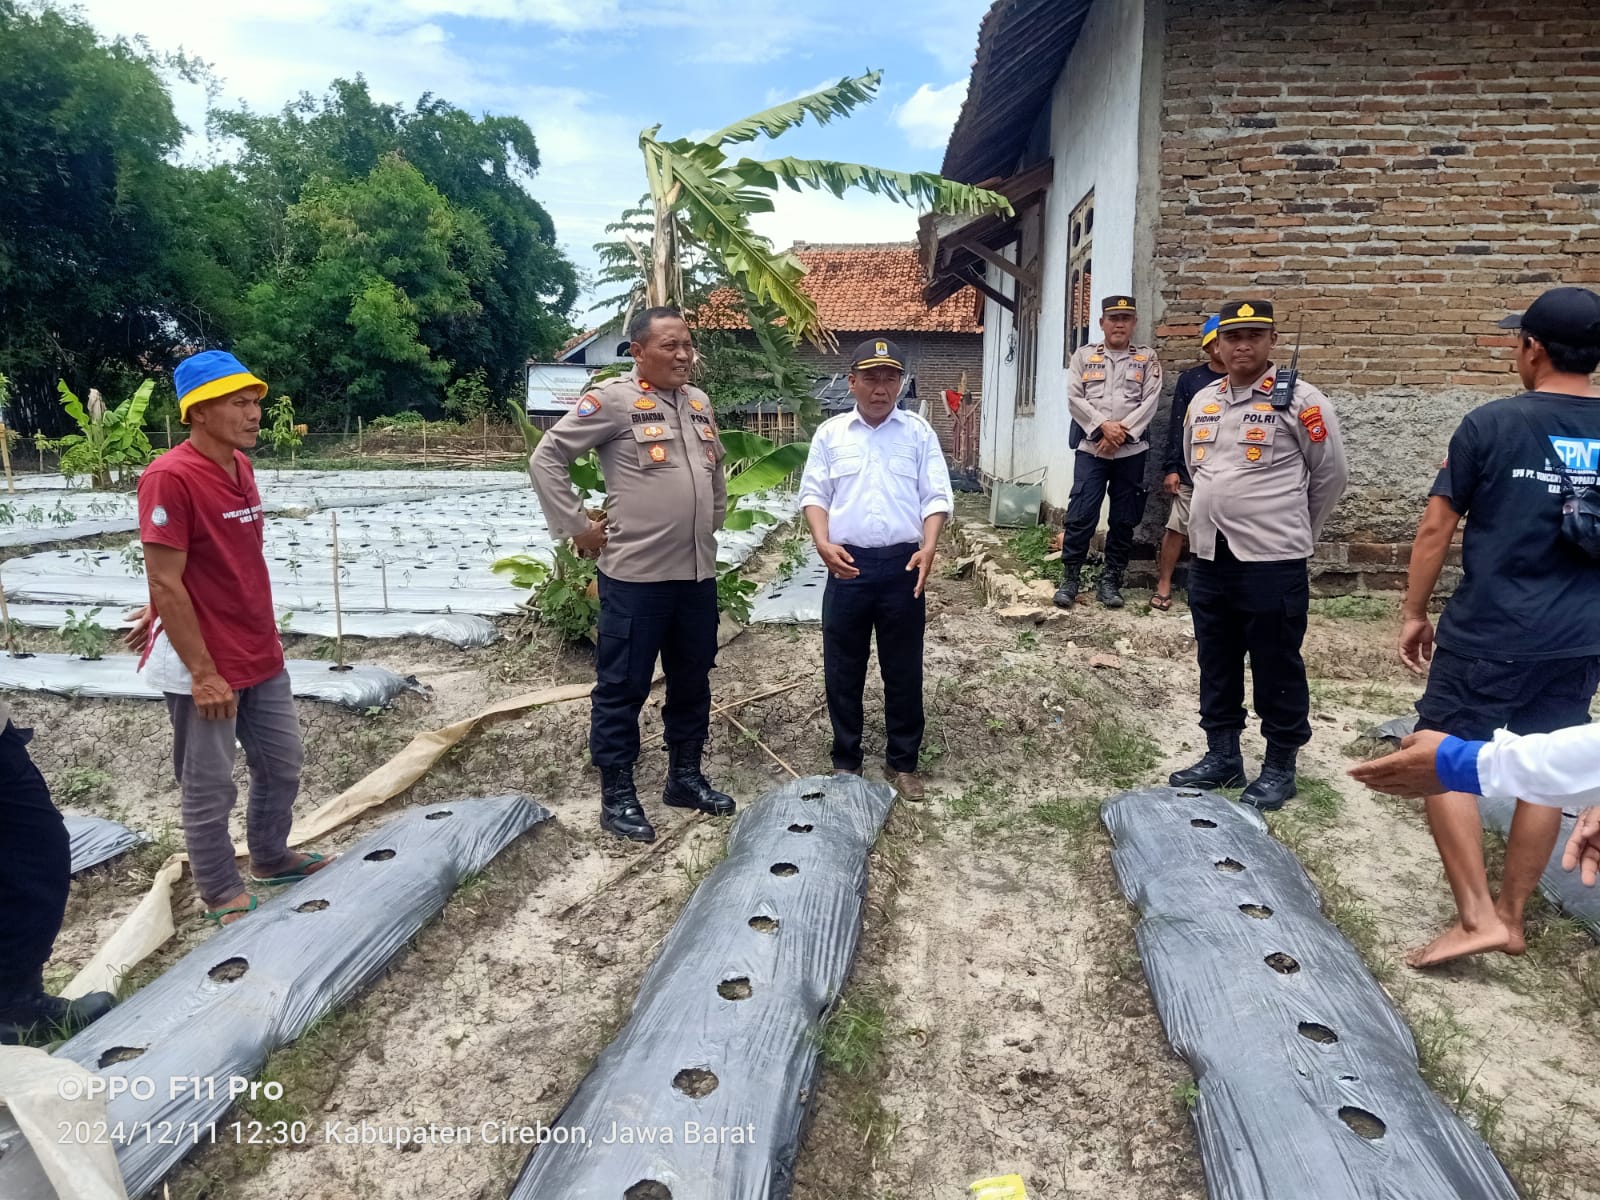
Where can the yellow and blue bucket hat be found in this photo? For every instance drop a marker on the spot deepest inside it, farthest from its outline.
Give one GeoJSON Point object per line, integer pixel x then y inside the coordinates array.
{"type": "Point", "coordinates": [210, 374]}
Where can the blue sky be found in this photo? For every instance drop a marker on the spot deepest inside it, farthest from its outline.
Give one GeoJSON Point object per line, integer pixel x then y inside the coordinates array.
{"type": "Point", "coordinates": [587, 75]}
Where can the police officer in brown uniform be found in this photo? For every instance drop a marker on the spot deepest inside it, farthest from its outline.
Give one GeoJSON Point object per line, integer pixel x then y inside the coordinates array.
{"type": "Point", "coordinates": [657, 441]}
{"type": "Point", "coordinates": [1268, 467]}
{"type": "Point", "coordinates": [1113, 388]}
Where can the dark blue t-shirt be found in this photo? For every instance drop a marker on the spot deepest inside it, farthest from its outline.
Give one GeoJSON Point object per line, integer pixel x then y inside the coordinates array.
{"type": "Point", "coordinates": [1526, 593]}
{"type": "Point", "coordinates": [1190, 385]}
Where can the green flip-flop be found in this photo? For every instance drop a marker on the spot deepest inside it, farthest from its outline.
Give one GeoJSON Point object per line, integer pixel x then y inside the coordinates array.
{"type": "Point", "coordinates": [294, 876]}
{"type": "Point", "coordinates": [216, 917]}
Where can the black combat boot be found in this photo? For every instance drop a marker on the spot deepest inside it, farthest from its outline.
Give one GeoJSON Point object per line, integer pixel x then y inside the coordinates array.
{"type": "Point", "coordinates": [1109, 593]}
{"type": "Point", "coordinates": [31, 1016]}
{"type": "Point", "coordinates": [687, 787]}
{"type": "Point", "coordinates": [1274, 787]}
{"type": "Point", "coordinates": [620, 811]}
{"type": "Point", "coordinates": [1067, 594]}
{"type": "Point", "coordinates": [1223, 765]}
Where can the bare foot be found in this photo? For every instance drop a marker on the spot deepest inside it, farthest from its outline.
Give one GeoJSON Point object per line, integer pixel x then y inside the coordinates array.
{"type": "Point", "coordinates": [1460, 942]}
{"type": "Point", "coordinates": [1516, 942]}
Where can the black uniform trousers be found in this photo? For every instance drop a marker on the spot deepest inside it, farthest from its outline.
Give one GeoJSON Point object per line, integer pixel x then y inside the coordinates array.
{"type": "Point", "coordinates": [1259, 609]}
{"type": "Point", "coordinates": [677, 620]}
{"type": "Point", "coordinates": [880, 601]}
{"type": "Point", "coordinates": [1092, 475]}
{"type": "Point", "coordinates": [38, 863]}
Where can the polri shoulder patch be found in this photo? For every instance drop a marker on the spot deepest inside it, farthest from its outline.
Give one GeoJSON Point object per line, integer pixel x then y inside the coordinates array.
{"type": "Point", "coordinates": [1311, 418]}
{"type": "Point", "coordinates": [588, 406]}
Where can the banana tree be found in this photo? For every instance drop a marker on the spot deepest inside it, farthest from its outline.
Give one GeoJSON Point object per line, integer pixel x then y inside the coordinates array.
{"type": "Point", "coordinates": [756, 464]}
{"type": "Point", "coordinates": [700, 205]}
{"type": "Point", "coordinates": [108, 439]}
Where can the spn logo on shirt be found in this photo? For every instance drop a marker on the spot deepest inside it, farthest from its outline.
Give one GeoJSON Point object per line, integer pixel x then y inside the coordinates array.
{"type": "Point", "coordinates": [1578, 454]}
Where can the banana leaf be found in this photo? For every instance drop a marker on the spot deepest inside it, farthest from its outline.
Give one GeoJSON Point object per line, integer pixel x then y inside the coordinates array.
{"type": "Point", "coordinates": [770, 470]}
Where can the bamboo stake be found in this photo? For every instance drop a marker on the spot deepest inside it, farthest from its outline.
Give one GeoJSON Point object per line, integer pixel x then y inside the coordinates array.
{"type": "Point", "coordinates": [360, 453]}
{"type": "Point", "coordinates": [424, 443]}
{"type": "Point", "coordinates": [734, 721]}
{"type": "Point", "coordinates": [5, 455]}
{"type": "Point", "coordinates": [741, 701]}
{"type": "Point", "coordinates": [5, 623]}
{"type": "Point", "coordinates": [383, 576]}
{"type": "Point", "coordinates": [338, 612]}
{"type": "Point", "coordinates": [486, 438]}
{"type": "Point", "coordinates": [169, 432]}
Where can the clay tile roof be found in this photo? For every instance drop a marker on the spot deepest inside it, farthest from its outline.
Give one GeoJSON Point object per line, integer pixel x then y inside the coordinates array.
{"type": "Point", "coordinates": [862, 288]}
{"type": "Point", "coordinates": [577, 339]}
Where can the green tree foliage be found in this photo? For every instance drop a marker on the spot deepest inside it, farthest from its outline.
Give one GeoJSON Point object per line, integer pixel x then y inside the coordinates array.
{"type": "Point", "coordinates": [88, 218]}
{"type": "Point", "coordinates": [514, 288]}
{"type": "Point", "coordinates": [375, 276]}
{"type": "Point", "coordinates": [108, 439]}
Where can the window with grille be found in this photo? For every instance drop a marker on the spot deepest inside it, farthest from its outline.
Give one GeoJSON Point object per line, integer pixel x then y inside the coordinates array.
{"type": "Point", "coordinates": [1080, 269]}
{"type": "Point", "coordinates": [1031, 227]}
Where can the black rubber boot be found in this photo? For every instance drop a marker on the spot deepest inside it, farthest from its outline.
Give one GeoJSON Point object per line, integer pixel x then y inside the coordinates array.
{"type": "Point", "coordinates": [31, 1016]}
{"type": "Point", "coordinates": [1109, 593]}
{"type": "Point", "coordinates": [1067, 594]}
{"type": "Point", "coordinates": [1274, 787]}
{"type": "Point", "coordinates": [620, 811]}
{"type": "Point", "coordinates": [687, 787]}
{"type": "Point", "coordinates": [1222, 766]}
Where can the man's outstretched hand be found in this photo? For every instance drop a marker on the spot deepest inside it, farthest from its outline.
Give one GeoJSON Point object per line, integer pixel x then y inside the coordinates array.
{"type": "Point", "coordinates": [1583, 847]}
{"type": "Point", "coordinates": [1409, 771]}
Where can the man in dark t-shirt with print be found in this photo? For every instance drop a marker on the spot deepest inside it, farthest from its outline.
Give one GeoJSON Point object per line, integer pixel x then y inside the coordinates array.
{"type": "Point", "coordinates": [1519, 642]}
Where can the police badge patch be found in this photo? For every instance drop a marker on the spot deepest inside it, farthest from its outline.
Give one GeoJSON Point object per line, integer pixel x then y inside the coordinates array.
{"type": "Point", "coordinates": [587, 407]}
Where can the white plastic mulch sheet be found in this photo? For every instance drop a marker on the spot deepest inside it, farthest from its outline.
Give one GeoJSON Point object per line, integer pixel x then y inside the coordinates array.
{"type": "Point", "coordinates": [1307, 1076]}
{"type": "Point", "coordinates": [95, 840]}
{"type": "Point", "coordinates": [117, 677]}
{"type": "Point", "coordinates": [409, 556]}
{"type": "Point", "coordinates": [49, 511]}
{"type": "Point", "coordinates": [458, 629]}
{"type": "Point", "coordinates": [255, 986]}
{"type": "Point", "coordinates": [793, 601]}
{"type": "Point", "coordinates": [721, 1049]}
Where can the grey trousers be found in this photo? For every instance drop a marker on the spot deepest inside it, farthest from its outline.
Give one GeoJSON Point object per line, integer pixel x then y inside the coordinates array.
{"type": "Point", "coordinates": [202, 759]}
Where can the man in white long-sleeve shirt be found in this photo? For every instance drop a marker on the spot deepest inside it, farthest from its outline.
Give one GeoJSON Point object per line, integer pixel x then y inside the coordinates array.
{"type": "Point", "coordinates": [876, 493]}
{"type": "Point", "coordinates": [1555, 770]}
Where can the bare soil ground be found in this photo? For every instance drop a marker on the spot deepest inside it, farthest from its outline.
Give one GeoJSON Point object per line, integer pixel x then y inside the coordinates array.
{"type": "Point", "coordinates": [997, 1019]}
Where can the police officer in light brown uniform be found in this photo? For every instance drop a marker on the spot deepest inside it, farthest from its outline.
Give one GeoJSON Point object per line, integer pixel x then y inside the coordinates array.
{"type": "Point", "coordinates": [1113, 387]}
{"type": "Point", "coordinates": [1268, 467]}
{"type": "Point", "coordinates": [657, 442]}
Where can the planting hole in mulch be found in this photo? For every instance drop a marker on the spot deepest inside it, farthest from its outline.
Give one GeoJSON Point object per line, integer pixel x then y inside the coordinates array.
{"type": "Point", "coordinates": [801, 828]}
{"type": "Point", "coordinates": [1281, 963]}
{"type": "Point", "coordinates": [1259, 911]}
{"type": "Point", "coordinates": [1202, 823]}
{"type": "Point", "coordinates": [1320, 1034]}
{"type": "Point", "coordinates": [380, 856]}
{"type": "Point", "coordinates": [229, 970]}
{"type": "Point", "coordinates": [120, 1054]}
{"type": "Point", "coordinates": [1230, 866]}
{"type": "Point", "coordinates": [438, 816]}
{"type": "Point", "coordinates": [811, 796]}
{"type": "Point", "coordinates": [311, 906]}
{"type": "Point", "coordinates": [648, 1189]}
{"type": "Point", "coordinates": [734, 989]}
{"type": "Point", "coordinates": [1363, 1122]}
{"type": "Point", "coordinates": [784, 870]}
{"type": "Point", "coordinates": [764, 924]}
{"type": "Point", "coordinates": [695, 1082]}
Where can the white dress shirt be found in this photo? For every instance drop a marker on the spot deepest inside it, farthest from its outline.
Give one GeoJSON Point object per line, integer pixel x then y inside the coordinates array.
{"type": "Point", "coordinates": [877, 485]}
{"type": "Point", "coordinates": [1557, 770]}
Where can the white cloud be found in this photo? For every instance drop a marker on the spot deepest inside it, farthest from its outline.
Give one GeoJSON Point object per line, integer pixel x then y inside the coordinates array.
{"type": "Point", "coordinates": [930, 113]}
{"type": "Point", "coordinates": [820, 217]}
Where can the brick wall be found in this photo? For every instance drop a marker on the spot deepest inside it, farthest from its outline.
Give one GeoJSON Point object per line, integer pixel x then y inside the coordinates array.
{"type": "Point", "coordinates": [1400, 173]}
{"type": "Point", "coordinates": [937, 360]}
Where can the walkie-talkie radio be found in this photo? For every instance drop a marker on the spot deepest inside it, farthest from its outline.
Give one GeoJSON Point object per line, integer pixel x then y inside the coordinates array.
{"type": "Point", "coordinates": [1283, 382]}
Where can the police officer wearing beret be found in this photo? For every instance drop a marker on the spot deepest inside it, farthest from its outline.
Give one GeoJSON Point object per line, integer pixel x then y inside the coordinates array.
{"type": "Point", "coordinates": [1268, 467]}
{"type": "Point", "coordinates": [661, 457]}
{"type": "Point", "coordinates": [1113, 387]}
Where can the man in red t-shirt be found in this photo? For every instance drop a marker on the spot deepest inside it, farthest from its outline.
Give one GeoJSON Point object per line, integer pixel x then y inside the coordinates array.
{"type": "Point", "coordinates": [213, 647]}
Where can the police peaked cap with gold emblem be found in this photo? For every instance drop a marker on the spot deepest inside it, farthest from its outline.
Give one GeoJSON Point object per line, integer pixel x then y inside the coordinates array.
{"type": "Point", "coordinates": [1238, 314]}
{"type": "Point", "coordinates": [1117, 304]}
{"type": "Point", "coordinates": [877, 352]}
